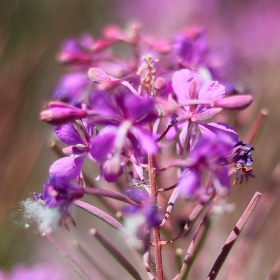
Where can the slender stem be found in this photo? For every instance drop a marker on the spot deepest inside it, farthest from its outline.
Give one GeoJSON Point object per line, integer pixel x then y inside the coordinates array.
{"type": "Point", "coordinates": [233, 237]}
{"type": "Point", "coordinates": [169, 207]}
{"type": "Point", "coordinates": [111, 194]}
{"type": "Point", "coordinates": [100, 214]}
{"type": "Point", "coordinates": [116, 254]}
{"type": "Point", "coordinates": [189, 223]}
{"type": "Point", "coordinates": [254, 131]}
{"type": "Point", "coordinates": [83, 274]}
{"type": "Point", "coordinates": [196, 244]}
{"type": "Point", "coordinates": [168, 189]}
{"type": "Point", "coordinates": [155, 230]}
{"type": "Point", "coordinates": [94, 260]}
{"type": "Point", "coordinates": [179, 255]}
{"type": "Point", "coordinates": [147, 266]}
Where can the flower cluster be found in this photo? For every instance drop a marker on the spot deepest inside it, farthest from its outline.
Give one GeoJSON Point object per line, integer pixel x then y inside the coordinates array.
{"type": "Point", "coordinates": [122, 113]}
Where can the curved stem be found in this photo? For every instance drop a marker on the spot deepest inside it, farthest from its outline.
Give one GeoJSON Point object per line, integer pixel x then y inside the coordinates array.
{"type": "Point", "coordinates": [170, 205]}
{"type": "Point", "coordinates": [189, 223]}
{"type": "Point", "coordinates": [111, 194]}
{"type": "Point", "coordinates": [168, 189]}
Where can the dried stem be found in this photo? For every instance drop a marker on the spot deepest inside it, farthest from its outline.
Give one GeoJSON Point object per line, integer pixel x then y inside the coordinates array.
{"type": "Point", "coordinates": [116, 254]}
{"type": "Point", "coordinates": [83, 274]}
{"type": "Point", "coordinates": [189, 223]}
{"type": "Point", "coordinates": [233, 237]}
{"type": "Point", "coordinates": [169, 207]}
{"type": "Point", "coordinates": [254, 131]}
{"type": "Point", "coordinates": [94, 260]}
{"type": "Point", "coordinates": [168, 189]}
{"type": "Point", "coordinates": [195, 246]}
{"type": "Point", "coordinates": [147, 266]}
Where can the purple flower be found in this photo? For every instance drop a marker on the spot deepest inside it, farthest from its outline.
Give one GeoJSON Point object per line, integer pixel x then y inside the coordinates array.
{"type": "Point", "coordinates": [60, 113]}
{"type": "Point", "coordinates": [69, 168]}
{"type": "Point", "coordinates": [209, 156]}
{"type": "Point", "coordinates": [82, 52]}
{"type": "Point", "coordinates": [144, 216]}
{"type": "Point", "coordinates": [60, 192]}
{"type": "Point", "coordinates": [126, 117]}
{"type": "Point", "coordinates": [192, 48]}
{"type": "Point", "coordinates": [192, 116]}
{"type": "Point", "coordinates": [72, 88]}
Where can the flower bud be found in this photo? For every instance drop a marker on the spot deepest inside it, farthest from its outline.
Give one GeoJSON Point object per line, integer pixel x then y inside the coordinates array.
{"type": "Point", "coordinates": [237, 102]}
{"type": "Point", "coordinates": [59, 113]}
{"type": "Point", "coordinates": [112, 169]}
{"type": "Point", "coordinates": [160, 84]}
{"type": "Point", "coordinates": [98, 76]}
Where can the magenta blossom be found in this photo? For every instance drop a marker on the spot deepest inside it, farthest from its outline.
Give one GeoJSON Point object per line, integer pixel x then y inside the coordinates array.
{"type": "Point", "coordinates": [144, 216]}
{"type": "Point", "coordinates": [189, 117]}
{"type": "Point", "coordinates": [72, 88]}
{"type": "Point", "coordinates": [210, 155]}
{"type": "Point", "coordinates": [127, 117]}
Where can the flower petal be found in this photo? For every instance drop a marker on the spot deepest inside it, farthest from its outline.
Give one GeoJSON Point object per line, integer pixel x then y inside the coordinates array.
{"type": "Point", "coordinates": [103, 143]}
{"type": "Point", "coordinates": [209, 91]}
{"type": "Point", "coordinates": [188, 183]}
{"type": "Point", "coordinates": [181, 83]}
{"type": "Point", "coordinates": [68, 134]}
{"type": "Point", "coordinates": [67, 167]}
{"type": "Point", "coordinates": [214, 130]}
{"type": "Point", "coordinates": [146, 140]}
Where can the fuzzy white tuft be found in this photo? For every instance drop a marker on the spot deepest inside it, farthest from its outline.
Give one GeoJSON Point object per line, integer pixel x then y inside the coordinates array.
{"type": "Point", "coordinates": [45, 217]}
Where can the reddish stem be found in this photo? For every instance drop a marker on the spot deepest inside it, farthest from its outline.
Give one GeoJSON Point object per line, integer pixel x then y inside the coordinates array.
{"type": "Point", "coordinates": [155, 230]}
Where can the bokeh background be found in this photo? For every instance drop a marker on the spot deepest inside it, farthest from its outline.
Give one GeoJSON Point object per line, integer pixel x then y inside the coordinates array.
{"type": "Point", "coordinates": [246, 33]}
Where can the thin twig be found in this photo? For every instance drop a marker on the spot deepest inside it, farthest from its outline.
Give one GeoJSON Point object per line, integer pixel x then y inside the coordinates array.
{"type": "Point", "coordinates": [256, 127]}
{"type": "Point", "coordinates": [94, 260]}
{"type": "Point", "coordinates": [168, 189]}
{"type": "Point", "coordinates": [233, 237]}
{"type": "Point", "coordinates": [147, 266]}
{"type": "Point", "coordinates": [116, 254]}
{"type": "Point", "coordinates": [169, 207]}
{"type": "Point", "coordinates": [83, 274]}
{"type": "Point", "coordinates": [111, 194]}
{"type": "Point", "coordinates": [99, 214]}
{"type": "Point", "coordinates": [195, 245]}
{"type": "Point", "coordinates": [189, 223]}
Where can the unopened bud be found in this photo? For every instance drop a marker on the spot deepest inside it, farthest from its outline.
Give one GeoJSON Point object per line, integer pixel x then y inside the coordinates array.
{"type": "Point", "coordinates": [112, 169]}
{"type": "Point", "coordinates": [101, 45]}
{"type": "Point", "coordinates": [98, 76]}
{"type": "Point", "coordinates": [112, 32]}
{"type": "Point", "coordinates": [59, 113]}
{"type": "Point", "coordinates": [160, 84]}
{"type": "Point", "coordinates": [237, 102]}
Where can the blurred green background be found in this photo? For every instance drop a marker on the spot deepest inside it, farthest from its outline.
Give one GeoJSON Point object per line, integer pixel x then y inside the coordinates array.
{"type": "Point", "coordinates": [31, 32]}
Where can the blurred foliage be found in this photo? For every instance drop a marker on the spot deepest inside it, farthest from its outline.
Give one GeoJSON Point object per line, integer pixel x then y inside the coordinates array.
{"type": "Point", "coordinates": [31, 33]}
